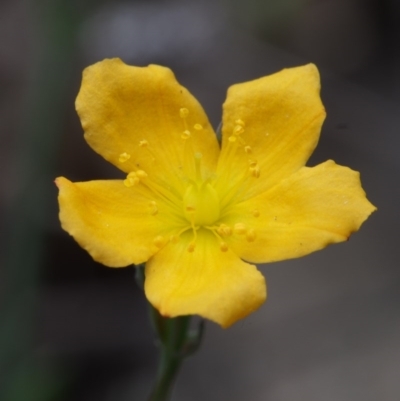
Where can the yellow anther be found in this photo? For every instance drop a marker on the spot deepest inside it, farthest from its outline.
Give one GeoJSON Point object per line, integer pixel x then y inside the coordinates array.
{"type": "Point", "coordinates": [141, 174]}
{"type": "Point", "coordinates": [185, 134]}
{"type": "Point", "coordinates": [198, 127]}
{"type": "Point", "coordinates": [232, 138]}
{"type": "Point", "coordinates": [128, 182]}
{"type": "Point", "coordinates": [223, 246]}
{"type": "Point", "coordinates": [191, 247]}
{"type": "Point", "coordinates": [159, 241]}
{"type": "Point", "coordinates": [251, 235]}
{"type": "Point", "coordinates": [255, 171]}
{"type": "Point", "coordinates": [239, 228]}
{"type": "Point", "coordinates": [223, 229]}
{"type": "Point", "coordinates": [252, 163]}
{"type": "Point", "coordinates": [153, 208]}
{"type": "Point", "coordinates": [238, 129]}
{"type": "Point", "coordinates": [174, 239]}
{"type": "Point", "coordinates": [190, 209]}
{"type": "Point", "coordinates": [183, 112]}
{"type": "Point", "coordinates": [248, 150]}
{"type": "Point", "coordinates": [256, 213]}
{"type": "Point", "coordinates": [123, 157]}
{"type": "Point", "coordinates": [143, 143]}
{"type": "Point", "coordinates": [240, 122]}
{"type": "Point", "coordinates": [131, 180]}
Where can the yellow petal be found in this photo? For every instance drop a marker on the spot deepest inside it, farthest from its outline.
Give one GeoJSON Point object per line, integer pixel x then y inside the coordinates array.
{"type": "Point", "coordinates": [311, 209]}
{"type": "Point", "coordinates": [214, 284]}
{"type": "Point", "coordinates": [136, 117]}
{"type": "Point", "coordinates": [115, 224]}
{"type": "Point", "coordinates": [281, 117]}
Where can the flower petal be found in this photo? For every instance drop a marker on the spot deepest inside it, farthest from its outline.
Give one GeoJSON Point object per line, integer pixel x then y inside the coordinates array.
{"type": "Point", "coordinates": [208, 282]}
{"type": "Point", "coordinates": [113, 223]}
{"type": "Point", "coordinates": [310, 210]}
{"type": "Point", "coordinates": [132, 116]}
{"type": "Point", "coordinates": [280, 117]}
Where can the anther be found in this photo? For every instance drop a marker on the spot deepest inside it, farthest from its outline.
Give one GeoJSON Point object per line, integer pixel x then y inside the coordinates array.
{"type": "Point", "coordinates": [153, 208]}
{"type": "Point", "coordinates": [185, 134]}
{"type": "Point", "coordinates": [174, 239]}
{"type": "Point", "coordinates": [141, 174]}
{"type": "Point", "coordinates": [191, 247]}
{"type": "Point", "coordinates": [190, 209]}
{"type": "Point", "coordinates": [123, 157]}
{"type": "Point", "coordinates": [238, 129]}
{"type": "Point", "coordinates": [143, 143]}
{"type": "Point", "coordinates": [248, 150]}
{"type": "Point", "coordinates": [223, 246]}
{"type": "Point", "coordinates": [159, 241]}
{"type": "Point", "coordinates": [240, 122]}
{"type": "Point", "coordinates": [239, 228]}
{"type": "Point", "coordinates": [131, 180]}
{"type": "Point", "coordinates": [252, 163]}
{"type": "Point", "coordinates": [251, 235]}
{"type": "Point", "coordinates": [183, 112]}
{"type": "Point", "coordinates": [232, 138]}
{"type": "Point", "coordinates": [256, 213]}
{"type": "Point", "coordinates": [224, 229]}
{"type": "Point", "coordinates": [255, 171]}
{"type": "Point", "coordinates": [198, 127]}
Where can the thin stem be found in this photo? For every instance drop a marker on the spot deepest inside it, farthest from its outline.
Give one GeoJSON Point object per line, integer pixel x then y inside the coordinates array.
{"type": "Point", "coordinates": [168, 368]}
{"type": "Point", "coordinates": [176, 341]}
{"type": "Point", "coordinates": [173, 335]}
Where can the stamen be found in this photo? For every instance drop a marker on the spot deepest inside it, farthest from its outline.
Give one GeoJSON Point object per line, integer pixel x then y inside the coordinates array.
{"type": "Point", "coordinates": [183, 112]}
{"type": "Point", "coordinates": [238, 130]}
{"type": "Point", "coordinates": [191, 247]}
{"type": "Point", "coordinates": [224, 229]}
{"type": "Point", "coordinates": [123, 157]}
{"type": "Point", "coordinates": [198, 127]}
{"type": "Point", "coordinates": [159, 241]}
{"type": "Point", "coordinates": [143, 143]}
{"type": "Point", "coordinates": [251, 235]}
{"type": "Point", "coordinates": [256, 213]}
{"type": "Point", "coordinates": [255, 171]}
{"type": "Point", "coordinates": [185, 134]}
{"type": "Point", "coordinates": [141, 174]}
{"type": "Point", "coordinates": [190, 209]}
{"type": "Point", "coordinates": [248, 150]}
{"type": "Point", "coordinates": [165, 193]}
{"type": "Point", "coordinates": [174, 239]}
{"type": "Point", "coordinates": [254, 168]}
{"type": "Point", "coordinates": [223, 246]}
{"type": "Point", "coordinates": [239, 228]}
{"type": "Point", "coordinates": [153, 208]}
{"type": "Point", "coordinates": [232, 138]}
{"type": "Point", "coordinates": [131, 179]}
{"type": "Point", "coordinates": [240, 122]}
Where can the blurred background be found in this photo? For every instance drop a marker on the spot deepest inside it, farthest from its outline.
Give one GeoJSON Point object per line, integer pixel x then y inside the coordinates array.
{"type": "Point", "coordinates": [73, 330]}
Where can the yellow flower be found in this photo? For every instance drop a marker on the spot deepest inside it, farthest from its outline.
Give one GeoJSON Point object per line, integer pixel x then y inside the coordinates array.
{"type": "Point", "coordinates": [194, 212]}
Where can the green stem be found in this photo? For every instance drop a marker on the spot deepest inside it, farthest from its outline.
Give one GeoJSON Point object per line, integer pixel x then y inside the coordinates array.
{"type": "Point", "coordinates": [176, 341]}
{"type": "Point", "coordinates": [169, 365]}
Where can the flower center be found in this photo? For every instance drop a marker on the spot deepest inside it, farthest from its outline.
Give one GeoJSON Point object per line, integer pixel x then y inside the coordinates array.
{"type": "Point", "coordinates": [201, 204]}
